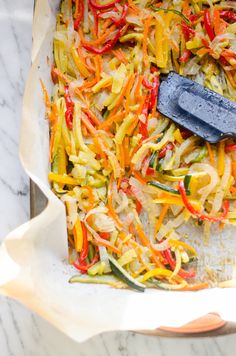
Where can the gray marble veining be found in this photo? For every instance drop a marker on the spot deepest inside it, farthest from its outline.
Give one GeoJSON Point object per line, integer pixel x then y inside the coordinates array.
{"type": "Point", "coordinates": [21, 332]}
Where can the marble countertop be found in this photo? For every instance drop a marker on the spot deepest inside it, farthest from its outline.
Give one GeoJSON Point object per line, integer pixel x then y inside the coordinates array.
{"type": "Point", "coordinates": [23, 333]}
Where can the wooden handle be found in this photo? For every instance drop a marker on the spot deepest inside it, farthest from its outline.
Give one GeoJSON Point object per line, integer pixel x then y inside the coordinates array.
{"type": "Point", "coordinates": [209, 322]}
{"type": "Point", "coordinates": [208, 325]}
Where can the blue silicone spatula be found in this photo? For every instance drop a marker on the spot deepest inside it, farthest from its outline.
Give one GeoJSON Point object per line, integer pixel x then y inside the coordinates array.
{"type": "Point", "coordinates": [200, 110]}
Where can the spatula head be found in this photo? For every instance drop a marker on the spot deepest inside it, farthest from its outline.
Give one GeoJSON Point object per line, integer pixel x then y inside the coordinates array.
{"type": "Point", "coordinates": [200, 110]}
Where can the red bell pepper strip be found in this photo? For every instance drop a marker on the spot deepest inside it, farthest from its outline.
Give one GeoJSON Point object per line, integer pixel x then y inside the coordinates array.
{"type": "Point", "coordinates": [69, 109]}
{"type": "Point", "coordinates": [122, 20]}
{"type": "Point", "coordinates": [138, 206]}
{"type": "Point", "coordinates": [147, 84]}
{"type": "Point", "coordinates": [228, 15]}
{"type": "Point", "coordinates": [153, 69]}
{"type": "Point", "coordinates": [168, 147]}
{"type": "Point", "coordinates": [104, 235]}
{"type": "Point", "coordinates": [224, 61]}
{"type": "Point", "coordinates": [98, 6]}
{"type": "Point", "coordinates": [107, 47]}
{"type": "Point", "coordinates": [186, 134]}
{"type": "Point", "coordinates": [208, 24]}
{"type": "Point", "coordinates": [143, 125]}
{"type": "Point", "coordinates": [188, 32]}
{"type": "Point", "coordinates": [95, 16]}
{"type": "Point", "coordinates": [80, 16]}
{"type": "Point", "coordinates": [82, 265]}
{"type": "Point", "coordinates": [194, 17]}
{"type": "Point", "coordinates": [171, 261]}
{"type": "Point", "coordinates": [154, 92]}
{"type": "Point", "coordinates": [198, 214]}
{"type": "Point", "coordinates": [185, 56]}
{"type": "Point", "coordinates": [150, 171]}
{"type": "Point", "coordinates": [205, 42]}
{"type": "Point", "coordinates": [230, 147]}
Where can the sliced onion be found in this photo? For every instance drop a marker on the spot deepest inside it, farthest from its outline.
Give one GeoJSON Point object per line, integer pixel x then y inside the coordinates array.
{"type": "Point", "coordinates": [60, 36]}
{"type": "Point", "coordinates": [161, 126]}
{"type": "Point", "coordinates": [217, 203]}
{"type": "Point", "coordinates": [170, 227]}
{"type": "Point", "coordinates": [99, 210]}
{"type": "Point", "coordinates": [109, 14]}
{"type": "Point", "coordinates": [228, 4]}
{"type": "Point", "coordinates": [213, 175]}
{"type": "Point", "coordinates": [124, 203]}
{"type": "Point", "coordinates": [162, 246]}
{"type": "Point", "coordinates": [73, 85]}
{"type": "Point", "coordinates": [114, 163]}
{"type": "Point", "coordinates": [191, 67]}
{"type": "Point", "coordinates": [145, 166]}
{"type": "Point", "coordinates": [145, 199]}
{"type": "Point", "coordinates": [71, 205]}
{"type": "Point", "coordinates": [134, 20]}
{"type": "Point", "coordinates": [99, 99]}
{"type": "Point", "coordinates": [184, 147]}
{"type": "Point", "coordinates": [104, 258]}
{"type": "Point", "coordinates": [103, 223]}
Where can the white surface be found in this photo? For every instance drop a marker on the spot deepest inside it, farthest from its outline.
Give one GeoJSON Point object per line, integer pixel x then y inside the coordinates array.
{"type": "Point", "coordinates": [21, 333]}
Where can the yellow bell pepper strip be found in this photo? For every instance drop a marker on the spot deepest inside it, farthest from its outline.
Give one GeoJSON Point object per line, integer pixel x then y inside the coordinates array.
{"type": "Point", "coordinates": [198, 214]}
{"type": "Point", "coordinates": [175, 201]}
{"type": "Point", "coordinates": [177, 243]}
{"type": "Point", "coordinates": [147, 22]}
{"type": "Point", "coordinates": [159, 272]}
{"type": "Point", "coordinates": [78, 235]}
{"type": "Point", "coordinates": [101, 84]}
{"type": "Point", "coordinates": [122, 131]}
{"type": "Point", "coordinates": [64, 179]}
{"type": "Point", "coordinates": [221, 158]}
{"type": "Point", "coordinates": [161, 43]}
{"type": "Point", "coordinates": [178, 136]}
{"type": "Point", "coordinates": [78, 62]}
{"type": "Point", "coordinates": [210, 153]}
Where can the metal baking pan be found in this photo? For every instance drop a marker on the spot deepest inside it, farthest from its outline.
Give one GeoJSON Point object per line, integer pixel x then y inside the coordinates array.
{"type": "Point", "coordinates": [210, 325]}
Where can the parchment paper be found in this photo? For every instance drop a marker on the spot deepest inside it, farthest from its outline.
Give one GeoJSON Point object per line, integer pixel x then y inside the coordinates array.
{"type": "Point", "coordinates": [33, 258]}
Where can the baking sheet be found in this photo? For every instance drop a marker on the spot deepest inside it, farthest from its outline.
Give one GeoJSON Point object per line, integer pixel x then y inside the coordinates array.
{"type": "Point", "coordinates": [33, 258]}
